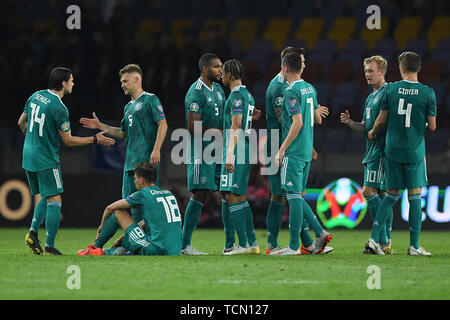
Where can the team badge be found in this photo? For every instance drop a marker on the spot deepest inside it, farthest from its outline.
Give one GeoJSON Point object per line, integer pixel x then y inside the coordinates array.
{"type": "Point", "coordinates": [292, 102]}
{"type": "Point", "coordinates": [237, 103]}
{"type": "Point", "coordinates": [279, 101]}
{"type": "Point", "coordinates": [65, 126]}
{"type": "Point", "coordinates": [138, 106]}
{"type": "Point", "coordinates": [160, 108]}
{"type": "Point", "coordinates": [194, 107]}
{"type": "Point", "coordinates": [203, 179]}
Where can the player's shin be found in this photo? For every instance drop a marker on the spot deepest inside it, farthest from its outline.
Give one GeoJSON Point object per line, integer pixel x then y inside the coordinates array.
{"type": "Point", "coordinates": [227, 225]}
{"type": "Point", "coordinates": [191, 218]}
{"type": "Point", "coordinates": [381, 216]}
{"type": "Point", "coordinates": [273, 221]}
{"type": "Point", "coordinates": [108, 230]}
{"type": "Point", "coordinates": [295, 219]}
{"type": "Point", "coordinates": [249, 225]}
{"type": "Point", "coordinates": [39, 215]}
{"type": "Point", "coordinates": [311, 219]}
{"type": "Point", "coordinates": [238, 217]}
{"type": "Point", "coordinates": [415, 219]}
{"type": "Point", "coordinates": [53, 219]}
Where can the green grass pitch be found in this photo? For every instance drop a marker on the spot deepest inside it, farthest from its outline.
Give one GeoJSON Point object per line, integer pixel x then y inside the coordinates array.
{"type": "Point", "coordinates": [343, 274]}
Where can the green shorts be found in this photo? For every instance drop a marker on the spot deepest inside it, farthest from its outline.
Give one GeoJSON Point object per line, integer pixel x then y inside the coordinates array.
{"type": "Point", "coordinates": [406, 175]}
{"type": "Point", "coordinates": [137, 242]}
{"type": "Point", "coordinates": [294, 174]}
{"type": "Point", "coordinates": [374, 174]}
{"type": "Point", "coordinates": [235, 182]}
{"type": "Point", "coordinates": [203, 176]}
{"type": "Point", "coordinates": [47, 182]}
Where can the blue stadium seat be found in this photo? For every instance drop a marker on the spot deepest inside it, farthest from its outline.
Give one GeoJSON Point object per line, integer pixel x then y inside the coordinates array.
{"type": "Point", "coordinates": [323, 51]}
{"type": "Point", "coordinates": [440, 89]}
{"type": "Point", "coordinates": [385, 48]}
{"type": "Point", "coordinates": [353, 51]}
{"type": "Point", "coordinates": [442, 52]}
{"type": "Point", "coordinates": [335, 139]}
{"type": "Point", "coordinates": [260, 52]}
{"type": "Point", "coordinates": [419, 46]}
{"type": "Point", "coordinates": [344, 96]}
{"type": "Point", "coordinates": [323, 89]}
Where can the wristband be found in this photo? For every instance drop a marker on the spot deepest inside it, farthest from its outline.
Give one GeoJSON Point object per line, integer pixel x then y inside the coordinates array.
{"type": "Point", "coordinates": [95, 139]}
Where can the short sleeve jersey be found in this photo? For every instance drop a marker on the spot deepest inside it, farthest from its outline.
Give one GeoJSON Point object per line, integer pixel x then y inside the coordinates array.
{"type": "Point", "coordinates": [408, 103]}
{"type": "Point", "coordinates": [239, 102]}
{"type": "Point", "coordinates": [209, 103]}
{"type": "Point", "coordinates": [300, 97]}
{"type": "Point", "coordinates": [140, 118]}
{"type": "Point", "coordinates": [161, 215]}
{"type": "Point", "coordinates": [274, 103]}
{"type": "Point", "coordinates": [374, 149]}
{"type": "Point", "coordinates": [47, 115]}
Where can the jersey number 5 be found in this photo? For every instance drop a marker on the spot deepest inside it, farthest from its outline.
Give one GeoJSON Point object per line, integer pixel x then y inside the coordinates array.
{"type": "Point", "coordinates": [171, 208]}
{"type": "Point", "coordinates": [406, 111]}
{"type": "Point", "coordinates": [34, 118]}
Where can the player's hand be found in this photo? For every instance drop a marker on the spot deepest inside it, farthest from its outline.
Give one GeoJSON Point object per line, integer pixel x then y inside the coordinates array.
{"type": "Point", "coordinates": [256, 114]}
{"type": "Point", "coordinates": [93, 123]}
{"type": "Point", "coordinates": [323, 111]}
{"type": "Point", "coordinates": [315, 156]}
{"type": "Point", "coordinates": [155, 157]}
{"type": "Point", "coordinates": [279, 158]}
{"type": "Point", "coordinates": [371, 135]}
{"type": "Point", "coordinates": [105, 141]}
{"type": "Point", "coordinates": [345, 117]}
{"type": "Point", "coordinates": [229, 164]}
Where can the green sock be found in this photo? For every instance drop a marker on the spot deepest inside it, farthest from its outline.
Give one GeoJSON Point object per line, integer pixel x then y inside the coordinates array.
{"type": "Point", "coordinates": [238, 217]}
{"type": "Point", "coordinates": [249, 226]}
{"type": "Point", "coordinates": [389, 225]}
{"type": "Point", "coordinates": [53, 219]}
{"type": "Point", "coordinates": [39, 215]}
{"type": "Point", "coordinates": [108, 231]}
{"type": "Point", "coordinates": [191, 217]}
{"type": "Point", "coordinates": [227, 225]}
{"type": "Point", "coordinates": [295, 219]}
{"type": "Point", "coordinates": [415, 219]}
{"type": "Point", "coordinates": [381, 215]}
{"type": "Point", "coordinates": [305, 237]}
{"type": "Point", "coordinates": [373, 202]}
{"type": "Point", "coordinates": [273, 222]}
{"type": "Point", "coordinates": [311, 219]}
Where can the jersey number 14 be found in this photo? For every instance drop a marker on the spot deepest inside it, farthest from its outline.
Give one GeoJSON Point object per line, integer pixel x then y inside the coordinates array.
{"type": "Point", "coordinates": [35, 118]}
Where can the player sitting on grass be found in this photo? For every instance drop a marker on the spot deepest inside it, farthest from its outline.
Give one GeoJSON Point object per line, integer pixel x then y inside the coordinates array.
{"type": "Point", "coordinates": [162, 219]}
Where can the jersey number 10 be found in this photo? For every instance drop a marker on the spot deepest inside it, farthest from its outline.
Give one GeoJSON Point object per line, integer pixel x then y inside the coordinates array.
{"type": "Point", "coordinates": [34, 118]}
{"type": "Point", "coordinates": [171, 208]}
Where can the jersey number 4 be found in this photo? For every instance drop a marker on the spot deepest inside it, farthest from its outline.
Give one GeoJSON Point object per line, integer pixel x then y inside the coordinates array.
{"type": "Point", "coordinates": [406, 111]}
{"type": "Point", "coordinates": [171, 208]}
{"type": "Point", "coordinates": [35, 118]}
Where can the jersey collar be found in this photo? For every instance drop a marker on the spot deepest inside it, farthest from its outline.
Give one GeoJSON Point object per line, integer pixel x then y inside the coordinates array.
{"type": "Point", "coordinates": [56, 96]}
{"type": "Point", "coordinates": [201, 81]}
{"type": "Point", "coordinates": [144, 92]}
{"type": "Point", "coordinates": [238, 87]}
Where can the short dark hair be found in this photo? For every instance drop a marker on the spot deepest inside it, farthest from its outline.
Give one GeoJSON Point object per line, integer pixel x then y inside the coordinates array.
{"type": "Point", "coordinates": [57, 76]}
{"type": "Point", "coordinates": [130, 68]}
{"type": "Point", "coordinates": [205, 60]}
{"type": "Point", "coordinates": [146, 171]}
{"type": "Point", "coordinates": [291, 50]}
{"type": "Point", "coordinates": [234, 67]}
{"type": "Point", "coordinates": [410, 61]}
{"type": "Point", "coordinates": [293, 62]}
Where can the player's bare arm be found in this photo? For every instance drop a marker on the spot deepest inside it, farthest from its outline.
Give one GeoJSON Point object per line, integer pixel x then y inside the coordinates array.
{"type": "Point", "coordinates": [297, 124]}
{"type": "Point", "coordinates": [192, 117]}
{"type": "Point", "coordinates": [256, 114]}
{"type": "Point", "coordinates": [319, 113]}
{"type": "Point", "coordinates": [355, 126]}
{"type": "Point", "coordinates": [73, 141]}
{"type": "Point", "coordinates": [235, 129]}
{"type": "Point", "coordinates": [379, 123]}
{"type": "Point", "coordinates": [431, 121]}
{"type": "Point", "coordinates": [94, 123]}
{"type": "Point", "coordinates": [121, 204]}
{"type": "Point", "coordinates": [155, 156]}
{"type": "Point", "coordinates": [23, 122]}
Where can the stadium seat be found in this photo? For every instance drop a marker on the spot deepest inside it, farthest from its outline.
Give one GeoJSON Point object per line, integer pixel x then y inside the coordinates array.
{"type": "Point", "coordinates": [323, 51]}
{"type": "Point", "coordinates": [219, 24]}
{"type": "Point", "coordinates": [323, 89]}
{"type": "Point", "coordinates": [245, 32]}
{"type": "Point", "coordinates": [432, 70]}
{"type": "Point", "coordinates": [342, 30]}
{"type": "Point", "coordinates": [296, 43]}
{"type": "Point", "coordinates": [310, 30]}
{"type": "Point", "coordinates": [442, 52]}
{"type": "Point", "coordinates": [440, 89]}
{"type": "Point", "coordinates": [372, 36]}
{"type": "Point", "coordinates": [277, 31]}
{"type": "Point", "coordinates": [385, 48]}
{"type": "Point", "coordinates": [313, 70]}
{"type": "Point", "coordinates": [439, 29]}
{"type": "Point", "coordinates": [178, 28]}
{"type": "Point", "coordinates": [260, 52]}
{"type": "Point", "coordinates": [353, 52]}
{"type": "Point", "coordinates": [393, 72]}
{"type": "Point", "coordinates": [407, 28]}
{"type": "Point", "coordinates": [147, 27]}
{"type": "Point", "coordinates": [344, 96]}
{"type": "Point", "coordinates": [258, 91]}
{"type": "Point", "coordinates": [339, 71]}
{"type": "Point", "coordinates": [419, 46]}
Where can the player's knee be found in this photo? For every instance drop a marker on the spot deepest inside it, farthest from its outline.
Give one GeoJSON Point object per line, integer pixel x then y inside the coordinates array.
{"type": "Point", "coordinates": [199, 195]}
{"type": "Point", "coordinates": [277, 198]}
{"type": "Point", "coordinates": [368, 192]}
{"type": "Point", "coordinates": [56, 198]}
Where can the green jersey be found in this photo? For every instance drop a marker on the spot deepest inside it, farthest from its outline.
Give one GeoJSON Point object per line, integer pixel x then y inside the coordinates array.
{"type": "Point", "coordinates": [47, 115]}
{"type": "Point", "coordinates": [300, 97]}
{"type": "Point", "coordinates": [274, 102]}
{"type": "Point", "coordinates": [240, 101]}
{"type": "Point", "coordinates": [209, 103]}
{"type": "Point", "coordinates": [140, 118]}
{"type": "Point", "coordinates": [409, 103]}
{"type": "Point", "coordinates": [162, 217]}
{"type": "Point", "coordinates": [374, 149]}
